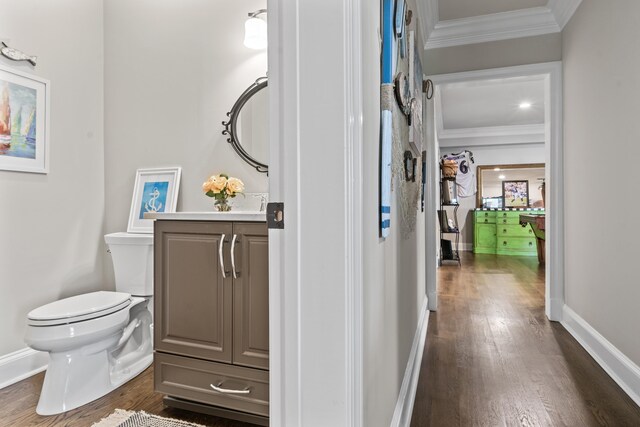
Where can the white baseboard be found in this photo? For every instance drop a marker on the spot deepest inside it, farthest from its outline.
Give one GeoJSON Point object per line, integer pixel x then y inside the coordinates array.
{"type": "Point", "coordinates": [21, 364]}
{"type": "Point", "coordinates": [467, 247]}
{"type": "Point", "coordinates": [406, 398]}
{"type": "Point", "coordinates": [613, 361]}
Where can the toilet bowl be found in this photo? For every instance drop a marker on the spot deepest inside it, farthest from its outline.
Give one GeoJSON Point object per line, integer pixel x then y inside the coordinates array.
{"type": "Point", "coordinates": [99, 340]}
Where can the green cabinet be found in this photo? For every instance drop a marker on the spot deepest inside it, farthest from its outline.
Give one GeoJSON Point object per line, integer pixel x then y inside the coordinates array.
{"type": "Point", "coordinates": [499, 232]}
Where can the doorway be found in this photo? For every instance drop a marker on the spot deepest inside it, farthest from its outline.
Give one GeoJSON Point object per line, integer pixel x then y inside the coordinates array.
{"type": "Point", "coordinates": [550, 76]}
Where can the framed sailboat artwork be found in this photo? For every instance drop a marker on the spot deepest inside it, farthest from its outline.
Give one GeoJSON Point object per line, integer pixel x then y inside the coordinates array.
{"type": "Point", "coordinates": [24, 122]}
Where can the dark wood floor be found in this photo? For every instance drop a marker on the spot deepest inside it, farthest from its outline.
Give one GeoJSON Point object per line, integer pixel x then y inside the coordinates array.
{"type": "Point", "coordinates": [18, 405]}
{"type": "Point", "coordinates": [493, 359]}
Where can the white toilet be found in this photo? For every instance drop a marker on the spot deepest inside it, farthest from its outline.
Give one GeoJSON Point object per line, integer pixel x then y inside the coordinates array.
{"type": "Point", "coordinates": [100, 340]}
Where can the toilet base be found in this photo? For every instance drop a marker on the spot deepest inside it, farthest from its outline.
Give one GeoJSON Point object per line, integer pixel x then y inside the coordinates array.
{"type": "Point", "coordinates": [77, 377]}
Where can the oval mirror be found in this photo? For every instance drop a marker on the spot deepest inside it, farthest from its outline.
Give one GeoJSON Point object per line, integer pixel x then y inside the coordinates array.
{"type": "Point", "coordinates": [248, 125]}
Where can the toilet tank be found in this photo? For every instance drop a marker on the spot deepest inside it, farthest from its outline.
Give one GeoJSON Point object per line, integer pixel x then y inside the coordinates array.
{"type": "Point", "coordinates": [132, 257]}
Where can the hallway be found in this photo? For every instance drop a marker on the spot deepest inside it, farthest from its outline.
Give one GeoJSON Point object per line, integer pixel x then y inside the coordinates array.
{"type": "Point", "coordinates": [493, 359]}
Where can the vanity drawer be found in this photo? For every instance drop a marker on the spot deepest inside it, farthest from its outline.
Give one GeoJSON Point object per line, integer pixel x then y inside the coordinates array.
{"type": "Point", "coordinates": [511, 230]}
{"type": "Point", "coordinates": [517, 245]}
{"type": "Point", "coordinates": [485, 217]}
{"type": "Point", "coordinates": [191, 379]}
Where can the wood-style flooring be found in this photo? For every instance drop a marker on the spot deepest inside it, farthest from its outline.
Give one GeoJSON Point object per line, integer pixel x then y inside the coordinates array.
{"type": "Point", "coordinates": [18, 405]}
{"type": "Point", "coordinates": [493, 359]}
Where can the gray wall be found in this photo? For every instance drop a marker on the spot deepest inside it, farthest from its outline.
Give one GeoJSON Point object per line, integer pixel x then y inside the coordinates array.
{"type": "Point", "coordinates": [394, 276]}
{"type": "Point", "coordinates": [601, 130]}
{"type": "Point", "coordinates": [51, 225]}
{"type": "Point", "coordinates": [503, 53]}
{"type": "Point", "coordinates": [173, 69]}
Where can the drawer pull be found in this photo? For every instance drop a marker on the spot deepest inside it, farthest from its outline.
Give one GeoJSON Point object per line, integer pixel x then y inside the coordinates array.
{"type": "Point", "coordinates": [530, 231]}
{"type": "Point", "coordinates": [504, 230]}
{"type": "Point", "coordinates": [219, 389]}
{"type": "Point", "coordinates": [504, 221]}
{"type": "Point", "coordinates": [486, 220]}
{"type": "Point", "coordinates": [504, 243]}
{"type": "Point", "coordinates": [530, 243]}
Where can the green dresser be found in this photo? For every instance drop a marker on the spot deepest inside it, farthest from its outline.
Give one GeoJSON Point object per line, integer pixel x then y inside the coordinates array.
{"type": "Point", "coordinates": [499, 232]}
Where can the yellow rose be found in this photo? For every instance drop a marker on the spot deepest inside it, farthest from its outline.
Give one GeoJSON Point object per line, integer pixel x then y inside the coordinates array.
{"type": "Point", "coordinates": [217, 183]}
{"type": "Point", "coordinates": [206, 186]}
{"type": "Point", "coordinates": [234, 185]}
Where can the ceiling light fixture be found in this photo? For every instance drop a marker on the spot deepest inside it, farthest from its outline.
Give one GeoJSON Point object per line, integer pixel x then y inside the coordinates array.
{"type": "Point", "coordinates": [502, 177]}
{"type": "Point", "coordinates": [255, 30]}
{"type": "Point", "coordinates": [525, 105]}
{"type": "Point", "coordinates": [496, 169]}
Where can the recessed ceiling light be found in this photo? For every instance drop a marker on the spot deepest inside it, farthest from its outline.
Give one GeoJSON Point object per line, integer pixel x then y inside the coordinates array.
{"type": "Point", "coordinates": [502, 177]}
{"type": "Point", "coordinates": [525, 105]}
{"type": "Point", "coordinates": [496, 169]}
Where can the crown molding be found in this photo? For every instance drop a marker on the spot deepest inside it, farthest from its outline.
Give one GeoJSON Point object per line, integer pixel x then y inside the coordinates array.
{"type": "Point", "coordinates": [493, 27]}
{"type": "Point", "coordinates": [492, 135]}
{"type": "Point", "coordinates": [428, 14]}
{"type": "Point", "coordinates": [563, 10]}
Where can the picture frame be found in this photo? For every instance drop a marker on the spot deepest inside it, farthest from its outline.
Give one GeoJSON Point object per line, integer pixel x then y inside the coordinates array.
{"type": "Point", "coordinates": [155, 190]}
{"type": "Point", "coordinates": [515, 194]}
{"type": "Point", "coordinates": [24, 121]}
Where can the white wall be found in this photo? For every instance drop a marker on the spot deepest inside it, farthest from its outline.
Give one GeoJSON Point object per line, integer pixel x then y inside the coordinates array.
{"type": "Point", "coordinates": [51, 225]}
{"type": "Point", "coordinates": [601, 131]}
{"type": "Point", "coordinates": [394, 273]}
{"type": "Point", "coordinates": [490, 155]}
{"type": "Point", "coordinates": [502, 53]}
{"type": "Point", "coordinates": [173, 69]}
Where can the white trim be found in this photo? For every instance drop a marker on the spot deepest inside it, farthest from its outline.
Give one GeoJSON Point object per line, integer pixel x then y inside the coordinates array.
{"type": "Point", "coordinates": [431, 198]}
{"type": "Point", "coordinates": [492, 135]}
{"type": "Point", "coordinates": [496, 26]}
{"type": "Point", "coordinates": [552, 72]}
{"type": "Point", "coordinates": [465, 247]}
{"type": "Point", "coordinates": [619, 367]}
{"type": "Point", "coordinates": [21, 364]}
{"type": "Point", "coordinates": [353, 213]}
{"type": "Point", "coordinates": [299, 298]}
{"type": "Point", "coordinates": [407, 395]}
{"type": "Point", "coordinates": [428, 16]}
{"type": "Point", "coordinates": [563, 10]}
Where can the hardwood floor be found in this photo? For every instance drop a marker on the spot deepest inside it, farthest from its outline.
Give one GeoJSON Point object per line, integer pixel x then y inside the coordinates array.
{"type": "Point", "coordinates": [493, 359]}
{"type": "Point", "coordinates": [18, 405]}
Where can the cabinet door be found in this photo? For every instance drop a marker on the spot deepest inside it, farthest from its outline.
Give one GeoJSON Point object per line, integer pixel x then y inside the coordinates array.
{"type": "Point", "coordinates": [193, 302]}
{"type": "Point", "coordinates": [251, 296]}
{"type": "Point", "coordinates": [485, 239]}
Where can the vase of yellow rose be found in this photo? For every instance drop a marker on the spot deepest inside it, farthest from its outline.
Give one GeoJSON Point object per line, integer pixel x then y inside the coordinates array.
{"type": "Point", "coordinates": [222, 187]}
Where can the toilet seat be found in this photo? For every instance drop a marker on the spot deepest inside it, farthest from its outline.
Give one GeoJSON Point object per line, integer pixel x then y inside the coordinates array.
{"type": "Point", "coordinates": [79, 308]}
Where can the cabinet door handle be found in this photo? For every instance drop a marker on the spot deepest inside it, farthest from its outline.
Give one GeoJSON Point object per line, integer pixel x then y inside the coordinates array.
{"type": "Point", "coordinates": [233, 257]}
{"type": "Point", "coordinates": [246, 390]}
{"type": "Point", "coordinates": [221, 258]}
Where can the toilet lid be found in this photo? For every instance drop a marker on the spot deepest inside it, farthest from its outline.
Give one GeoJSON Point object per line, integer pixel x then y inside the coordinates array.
{"type": "Point", "coordinates": [78, 308]}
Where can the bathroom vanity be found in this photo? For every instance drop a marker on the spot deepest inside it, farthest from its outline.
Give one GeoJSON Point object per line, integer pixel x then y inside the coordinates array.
{"type": "Point", "coordinates": [211, 329]}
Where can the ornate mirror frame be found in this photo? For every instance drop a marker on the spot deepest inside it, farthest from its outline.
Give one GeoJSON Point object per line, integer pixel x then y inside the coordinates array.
{"type": "Point", "coordinates": [230, 126]}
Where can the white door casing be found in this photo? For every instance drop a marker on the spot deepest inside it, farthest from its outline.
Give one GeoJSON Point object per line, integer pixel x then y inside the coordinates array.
{"type": "Point", "coordinates": [315, 263]}
{"type": "Point", "coordinates": [554, 177]}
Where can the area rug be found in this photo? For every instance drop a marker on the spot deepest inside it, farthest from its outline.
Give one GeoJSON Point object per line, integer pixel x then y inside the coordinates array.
{"type": "Point", "coordinates": [122, 418]}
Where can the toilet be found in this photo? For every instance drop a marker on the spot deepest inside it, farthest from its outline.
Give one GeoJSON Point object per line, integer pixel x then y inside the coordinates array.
{"type": "Point", "coordinates": [99, 340]}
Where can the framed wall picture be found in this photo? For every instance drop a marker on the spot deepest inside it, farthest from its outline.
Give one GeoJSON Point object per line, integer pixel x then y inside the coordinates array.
{"type": "Point", "coordinates": [515, 194]}
{"type": "Point", "coordinates": [24, 122]}
{"type": "Point", "coordinates": [155, 190]}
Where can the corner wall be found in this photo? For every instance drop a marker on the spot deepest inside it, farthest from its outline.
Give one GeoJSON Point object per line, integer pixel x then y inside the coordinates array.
{"type": "Point", "coordinates": [601, 131]}
{"type": "Point", "coordinates": [51, 240]}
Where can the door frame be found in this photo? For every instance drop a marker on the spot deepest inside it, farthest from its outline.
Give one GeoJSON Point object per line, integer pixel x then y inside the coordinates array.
{"type": "Point", "coordinates": [554, 173]}
{"type": "Point", "coordinates": [316, 262]}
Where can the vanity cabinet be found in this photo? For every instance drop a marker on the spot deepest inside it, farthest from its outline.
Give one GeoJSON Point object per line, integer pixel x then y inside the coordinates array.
{"type": "Point", "coordinates": [499, 232]}
{"type": "Point", "coordinates": [211, 328]}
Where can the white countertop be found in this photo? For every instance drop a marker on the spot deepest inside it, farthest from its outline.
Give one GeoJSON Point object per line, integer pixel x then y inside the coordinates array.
{"type": "Point", "coordinates": [252, 216]}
